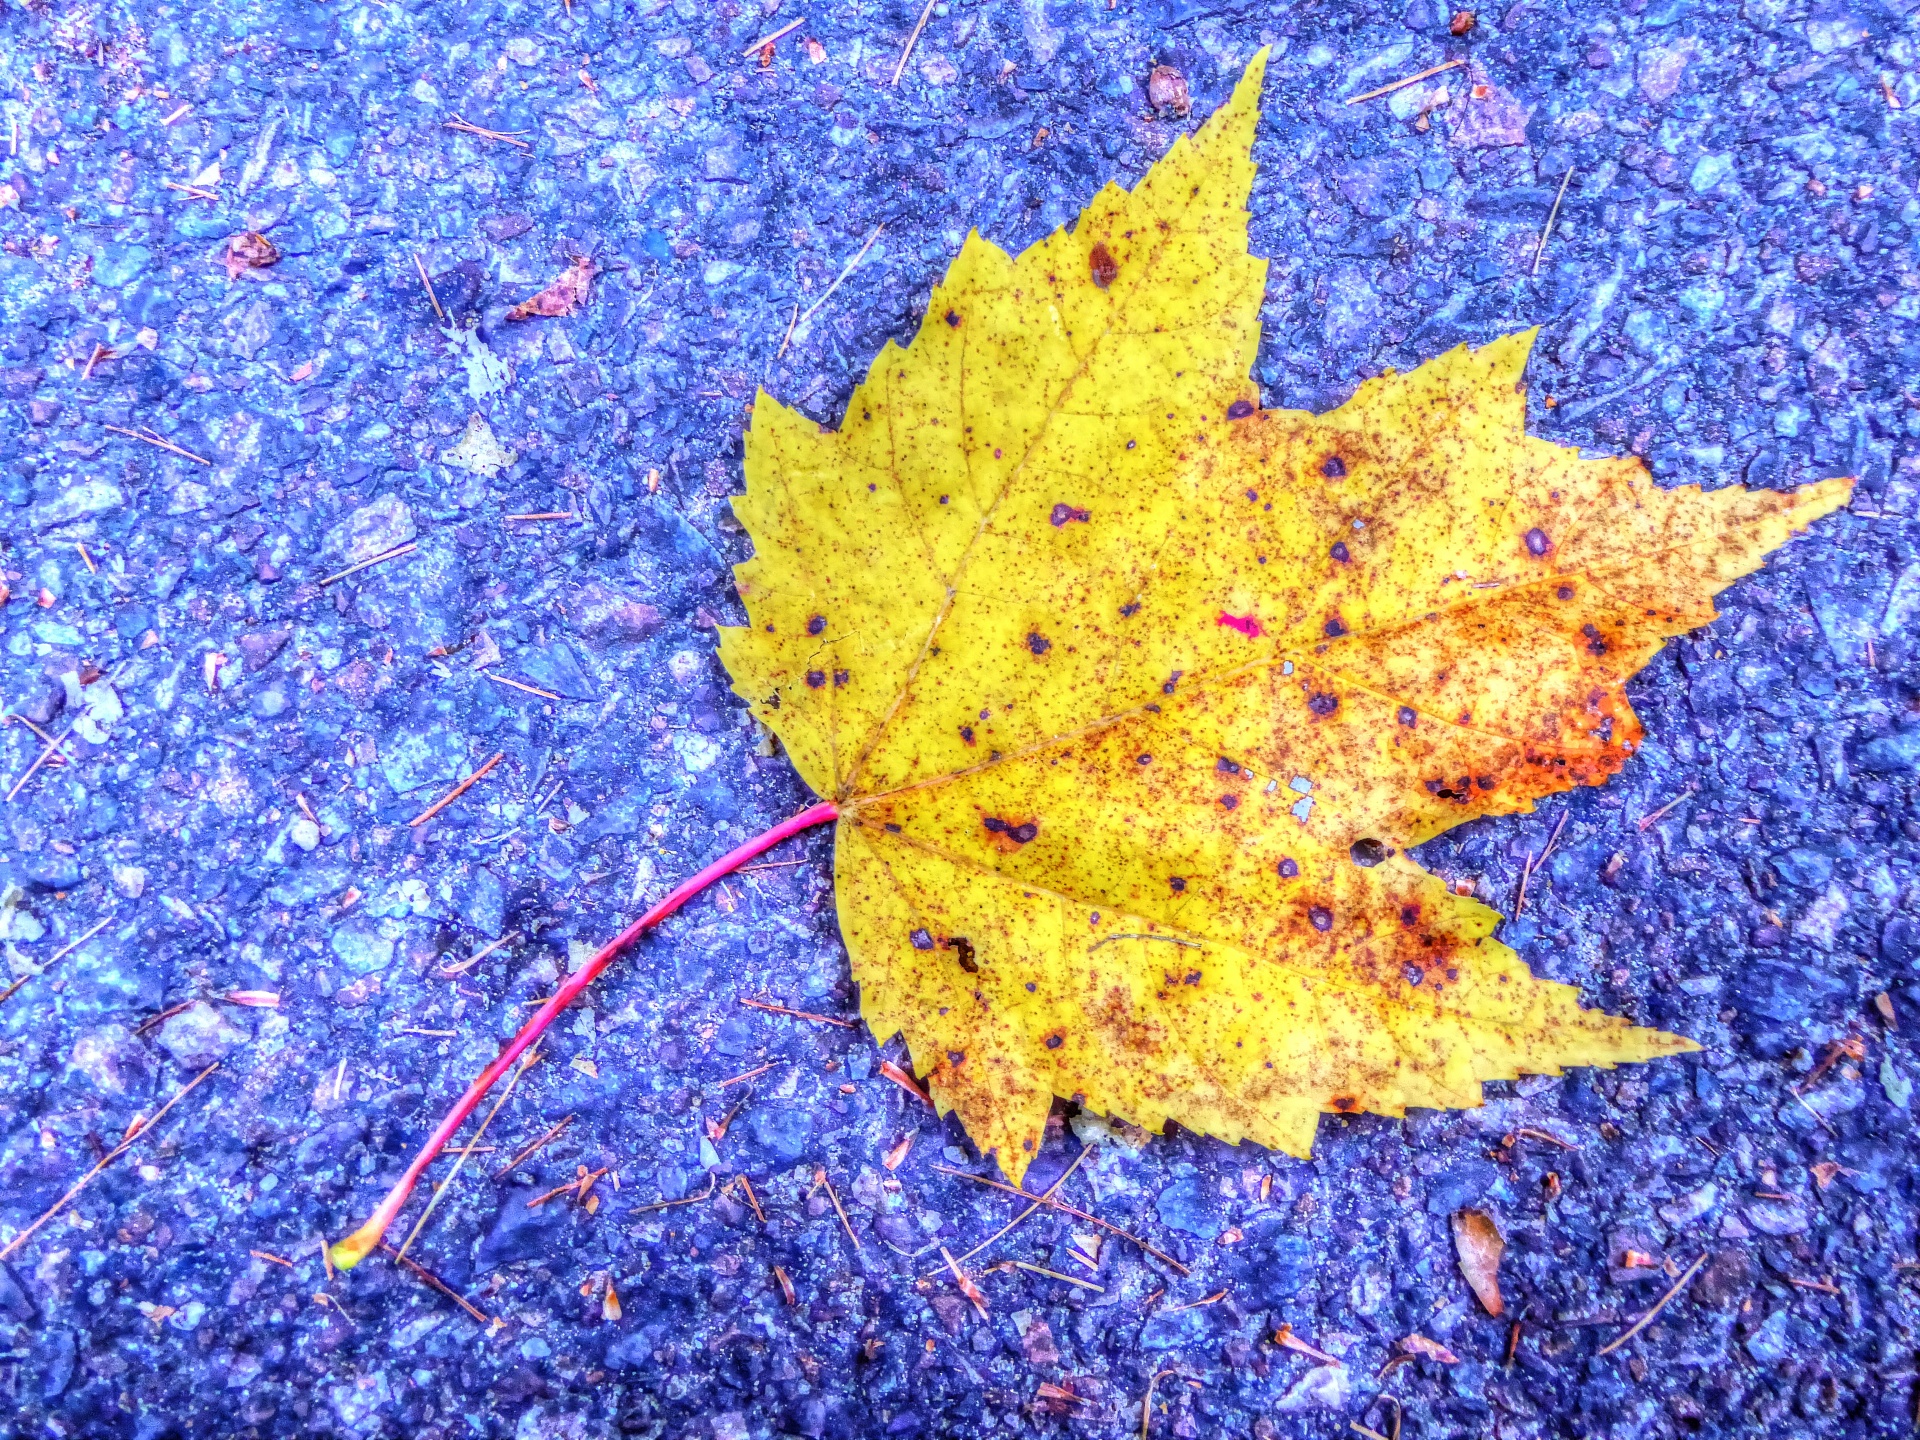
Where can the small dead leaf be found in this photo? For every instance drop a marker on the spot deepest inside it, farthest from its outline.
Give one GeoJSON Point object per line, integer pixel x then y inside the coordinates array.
{"type": "Point", "coordinates": [1825, 1172]}
{"type": "Point", "coordinates": [1419, 1345]}
{"type": "Point", "coordinates": [1167, 92]}
{"type": "Point", "coordinates": [1478, 1242]}
{"type": "Point", "coordinates": [610, 1304]}
{"type": "Point", "coordinates": [302, 371]}
{"type": "Point", "coordinates": [249, 250]}
{"type": "Point", "coordinates": [899, 1152]}
{"type": "Point", "coordinates": [478, 452]}
{"type": "Point", "coordinates": [1285, 1338]}
{"type": "Point", "coordinates": [563, 296]}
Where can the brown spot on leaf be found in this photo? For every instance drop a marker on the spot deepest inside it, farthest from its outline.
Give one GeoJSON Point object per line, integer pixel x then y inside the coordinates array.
{"type": "Point", "coordinates": [1104, 267]}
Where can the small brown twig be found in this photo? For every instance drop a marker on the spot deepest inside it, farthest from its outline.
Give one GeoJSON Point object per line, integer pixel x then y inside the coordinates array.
{"type": "Point", "coordinates": [59, 756]}
{"type": "Point", "coordinates": [551, 1134]}
{"type": "Point", "coordinates": [542, 515]}
{"type": "Point", "coordinates": [147, 435]}
{"type": "Point", "coordinates": [1056, 1275]}
{"type": "Point", "coordinates": [1038, 1202]}
{"type": "Point", "coordinates": [1402, 84]}
{"type": "Point", "coordinates": [1552, 840]}
{"type": "Point", "coordinates": [746, 1075]}
{"type": "Point", "coordinates": [1146, 1401]}
{"type": "Point", "coordinates": [447, 1184]}
{"type": "Point", "coordinates": [454, 972]}
{"type": "Point", "coordinates": [160, 1019]}
{"type": "Point", "coordinates": [712, 1180]}
{"type": "Point", "coordinates": [796, 1014]}
{"type": "Point", "coordinates": [1647, 820]}
{"type": "Point", "coordinates": [522, 685]}
{"type": "Point", "coordinates": [394, 554]}
{"type": "Point", "coordinates": [138, 1129]}
{"type": "Point", "coordinates": [437, 1283]}
{"type": "Point", "coordinates": [1526, 874]}
{"type": "Point", "coordinates": [926, 14]}
{"type": "Point", "coordinates": [47, 752]}
{"type": "Point", "coordinates": [1212, 1299]}
{"type": "Point", "coordinates": [827, 294]}
{"type": "Point", "coordinates": [753, 1199]}
{"type": "Point", "coordinates": [455, 793]}
{"type": "Point", "coordinates": [834, 1195]}
{"type": "Point", "coordinates": [1824, 1287]}
{"type": "Point", "coordinates": [55, 958]}
{"type": "Point", "coordinates": [785, 30]}
{"type": "Point", "coordinates": [1800, 1100]}
{"type": "Point", "coordinates": [427, 281]}
{"type": "Point", "coordinates": [1852, 1047]}
{"type": "Point", "coordinates": [573, 1184]}
{"type": "Point", "coordinates": [1658, 1305]}
{"type": "Point", "coordinates": [1533, 865]}
{"type": "Point", "coordinates": [1546, 231]}
{"type": "Point", "coordinates": [94, 359]}
{"type": "Point", "coordinates": [1062, 1205]}
{"type": "Point", "coordinates": [505, 137]}
{"type": "Point", "coordinates": [1547, 1135]}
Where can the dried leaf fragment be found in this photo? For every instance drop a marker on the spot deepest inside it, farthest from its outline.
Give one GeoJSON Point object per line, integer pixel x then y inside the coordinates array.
{"type": "Point", "coordinates": [563, 296]}
{"type": "Point", "coordinates": [1132, 696]}
{"type": "Point", "coordinates": [478, 451]}
{"type": "Point", "coordinates": [1419, 1345]}
{"type": "Point", "coordinates": [1167, 92]}
{"type": "Point", "coordinates": [1479, 1244]}
{"type": "Point", "coordinates": [249, 250]}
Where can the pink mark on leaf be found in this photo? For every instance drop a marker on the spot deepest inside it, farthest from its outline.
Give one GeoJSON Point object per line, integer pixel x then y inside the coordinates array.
{"type": "Point", "coordinates": [1245, 624]}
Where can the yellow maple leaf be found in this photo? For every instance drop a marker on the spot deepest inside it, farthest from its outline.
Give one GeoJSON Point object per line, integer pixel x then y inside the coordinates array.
{"type": "Point", "coordinates": [1132, 696]}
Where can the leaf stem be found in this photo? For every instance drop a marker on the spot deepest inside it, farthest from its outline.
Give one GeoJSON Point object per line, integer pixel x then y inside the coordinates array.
{"type": "Point", "coordinates": [356, 1247]}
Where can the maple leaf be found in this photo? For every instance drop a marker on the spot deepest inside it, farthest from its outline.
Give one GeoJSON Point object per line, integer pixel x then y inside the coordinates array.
{"type": "Point", "coordinates": [1132, 696]}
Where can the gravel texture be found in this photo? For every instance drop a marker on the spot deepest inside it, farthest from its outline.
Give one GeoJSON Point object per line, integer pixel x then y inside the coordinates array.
{"type": "Point", "coordinates": [1731, 292]}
